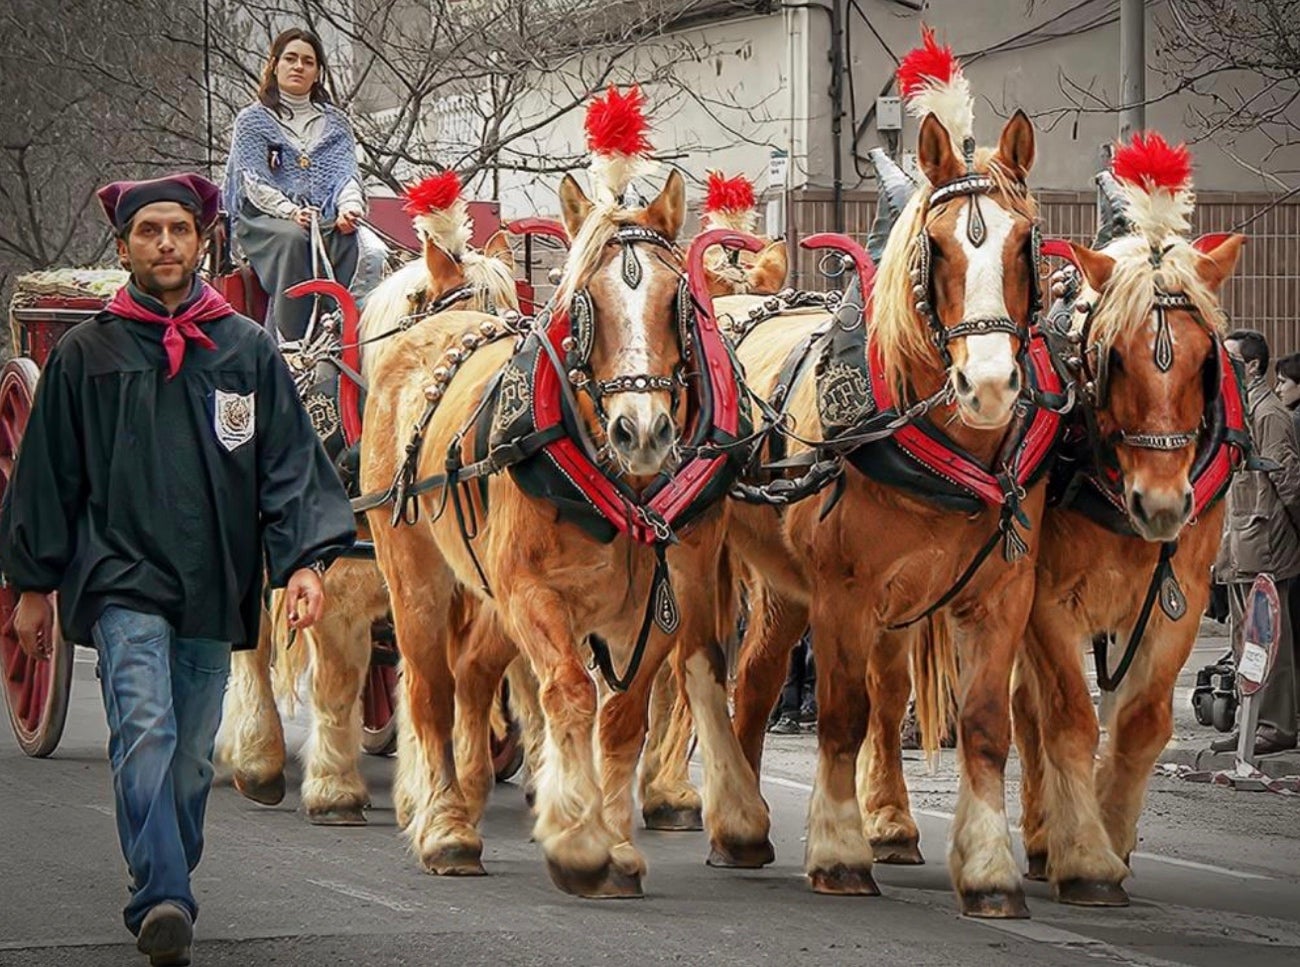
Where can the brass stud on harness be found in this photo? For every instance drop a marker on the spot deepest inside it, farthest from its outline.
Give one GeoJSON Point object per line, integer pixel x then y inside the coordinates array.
{"type": "Point", "coordinates": [442, 374]}
{"type": "Point", "coordinates": [471, 340]}
{"type": "Point", "coordinates": [488, 329]}
{"type": "Point", "coordinates": [568, 344]}
{"type": "Point", "coordinates": [433, 392]}
{"type": "Point", "coordinates": [577, 377]}
{"type": "Point", "coordinates": [918, 291]}
{"type": "Point", "coordinates": [1083, 306]}
{"type": "Point", "coordinates": [454, 356]}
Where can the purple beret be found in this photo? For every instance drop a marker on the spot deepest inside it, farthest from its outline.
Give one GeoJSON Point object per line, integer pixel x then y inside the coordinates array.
{"type": "Point", "coordinates": [122, 199]}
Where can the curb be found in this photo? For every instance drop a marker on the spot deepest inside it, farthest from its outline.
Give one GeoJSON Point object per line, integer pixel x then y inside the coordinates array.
{"type": "Point", "coordinates": [1279, 765]}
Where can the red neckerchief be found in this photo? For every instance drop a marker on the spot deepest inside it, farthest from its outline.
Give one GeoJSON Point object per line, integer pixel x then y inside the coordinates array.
{"type": "Point", "coordinates": [209, 305]}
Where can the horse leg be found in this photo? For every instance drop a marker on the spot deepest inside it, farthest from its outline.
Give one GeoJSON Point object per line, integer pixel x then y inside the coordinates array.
{"type": "Point", "coordinates": [882, 790]}
{"type": "Point", "coordinates": [252, 741]}
{"type": "Point", "coordinates": [775, 625]}
{"type": "Point", "coordinates": [1026, 727]}
{"type": "Point", "coordinates": [838, 857]}
{"type": "Point", "coordinates": [669, 801]}
{"type": "Point", "coordinates": [527, 705]}
{"type": "Point", "coordinates": [1142, 724]}
{"type": "Point", "coordinates": [983, 868]}
{"type": "Point", "coordinates": [735, 813]}
{"type": "Point", "coordinates": [570, 827]}
{"type": "Point", "coordinates": [427, 792]}
{"type": "Point", "coordinates": [479, 667]}
{"type": "Point", "coordinates": [333, 791]}
{"type": "Point", "coordinates": [1081, 865]}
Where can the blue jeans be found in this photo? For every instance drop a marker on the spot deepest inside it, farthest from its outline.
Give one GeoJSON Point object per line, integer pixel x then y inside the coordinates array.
{"type": "Point", "coordinates": [162, 697]}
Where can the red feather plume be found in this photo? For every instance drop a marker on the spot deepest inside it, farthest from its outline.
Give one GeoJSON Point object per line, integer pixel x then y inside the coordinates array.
{"type": "Point", "coordinates": [925, 64]}
{"type": "Point", "coordinates": [435, 193]}
{"type": "Point", "coordinates": [1150, 162]}
{"type": "Point", "coordinates": [616, 125]}
{"type": "Point", "coordinates": [729, 194]}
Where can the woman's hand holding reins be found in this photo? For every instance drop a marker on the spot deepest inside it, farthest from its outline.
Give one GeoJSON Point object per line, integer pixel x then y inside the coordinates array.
{"type": "Point", "coordinates": [347, 221]}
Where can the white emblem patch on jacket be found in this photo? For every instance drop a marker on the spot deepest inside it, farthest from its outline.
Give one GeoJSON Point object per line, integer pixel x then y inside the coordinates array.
{"type": "Point", "coordinates": [234, 418]}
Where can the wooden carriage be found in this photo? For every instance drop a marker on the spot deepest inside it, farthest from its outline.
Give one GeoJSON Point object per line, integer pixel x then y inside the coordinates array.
{"type": "Point", "coordinates": [44, 307]}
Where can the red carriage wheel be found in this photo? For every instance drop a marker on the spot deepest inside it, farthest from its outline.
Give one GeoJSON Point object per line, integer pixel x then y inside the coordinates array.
{"type": "Point", "coordinates": [36, 692]}
{"type": "Point", "coordinates": [379, 701]}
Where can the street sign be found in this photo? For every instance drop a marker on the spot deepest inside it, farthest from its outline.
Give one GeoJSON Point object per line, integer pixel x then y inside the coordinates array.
{"type": "Point", "coordinates": [1257, 648]}
{"type": "Point", "coordinates": [778, 165]}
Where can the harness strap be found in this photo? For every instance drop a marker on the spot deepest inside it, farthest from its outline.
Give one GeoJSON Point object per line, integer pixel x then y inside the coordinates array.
{"type": "Point", "coordinates": [660, 609]}
{"type": "Point", "coordinates": [980, 557]}
{"type": "Point", "coordinates": [1101, 644]}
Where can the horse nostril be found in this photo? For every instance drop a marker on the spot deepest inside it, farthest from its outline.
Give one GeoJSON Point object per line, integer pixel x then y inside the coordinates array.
{"type": "Point", "coordinates": [663, 431]}
{"type": "Point", "coordinates": [1013, 383]}
{"type": "Point", "coordinates": [623, 433]}
{"type": "Point", "coordinates": [1136, 509]}
{"type": "Point", "coordinates": [963, 384]}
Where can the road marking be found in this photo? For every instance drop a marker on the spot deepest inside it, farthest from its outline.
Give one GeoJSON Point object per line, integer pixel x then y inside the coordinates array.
{"type": "Point", "coordinates": [1152, 857]}
{"type": "Point", "coordinates": [359, 893]}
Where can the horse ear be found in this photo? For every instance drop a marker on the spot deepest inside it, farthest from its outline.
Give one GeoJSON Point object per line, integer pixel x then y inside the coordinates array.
{"type": "Point", "coordinates": [1016, 145]}
{"type": "Point", "coordinates": [574, 206]}
{"type": "Point", "coordinates": [498, 247]}
{"type": "Point", "coordinates": [767, 274]}
{"type": "Point", "coordinates": [667, 212]}
{"type": "Point", "coordinates": [934, 152]}
{"type": "Point", "coordinates": [1095, 266]}
{"type": "Point", "coordinates": [1215, 266]}
{"type": "Point", "coordinates": [445, 273]}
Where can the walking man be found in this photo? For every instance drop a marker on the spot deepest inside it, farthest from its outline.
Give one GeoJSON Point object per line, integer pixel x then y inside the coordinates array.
{"type": "Point", "coordinates": [167, 463]}
{"type": "Point", "coordinates": [1262, 536]}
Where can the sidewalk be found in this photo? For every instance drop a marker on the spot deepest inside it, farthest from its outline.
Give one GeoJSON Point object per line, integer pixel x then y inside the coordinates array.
{"type": "Point", "coordinates": [1190, 745]}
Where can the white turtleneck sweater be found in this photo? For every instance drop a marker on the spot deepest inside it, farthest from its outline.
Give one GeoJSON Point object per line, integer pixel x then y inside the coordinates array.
{"type": "Point", "coordinates": [303, 124]}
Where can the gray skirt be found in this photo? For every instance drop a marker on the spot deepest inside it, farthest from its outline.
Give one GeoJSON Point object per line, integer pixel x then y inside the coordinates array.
{"type": "Point", "coordinates": [279, 249]}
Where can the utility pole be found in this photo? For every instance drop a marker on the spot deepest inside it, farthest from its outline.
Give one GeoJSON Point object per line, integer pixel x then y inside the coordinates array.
{"type": "Point", "coordinates": [1132, 67]}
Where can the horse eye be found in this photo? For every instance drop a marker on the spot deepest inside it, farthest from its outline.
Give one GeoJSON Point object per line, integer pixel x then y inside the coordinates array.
{"type": "Point", "coordinates": [1116, 360]}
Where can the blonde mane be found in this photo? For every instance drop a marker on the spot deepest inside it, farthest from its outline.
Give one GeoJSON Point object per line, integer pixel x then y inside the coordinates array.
{"type": "Point", "coordinates": [402, 294]}
{"type": "Point", "coordinates": [1125, 305]}
{"type": "Point", "coordinates": [589, 247]}
{"type": "Point", "coordinates": [903, 336]}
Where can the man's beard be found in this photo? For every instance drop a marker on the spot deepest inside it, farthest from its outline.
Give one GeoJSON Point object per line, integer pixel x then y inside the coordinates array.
{"type": "Point", "coordinates": [149, 282]}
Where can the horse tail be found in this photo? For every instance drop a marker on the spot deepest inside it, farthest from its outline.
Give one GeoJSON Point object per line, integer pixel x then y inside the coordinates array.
{"type": "Point", "coordinates": [934, 680]}
{"type": "Point", "coordinates": [290, 652]}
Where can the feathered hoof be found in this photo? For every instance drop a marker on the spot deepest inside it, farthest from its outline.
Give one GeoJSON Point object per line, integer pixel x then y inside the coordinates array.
{"type": "Point", "coordinates": [995, 904]}
{"type": "Point", "coordinates": [1090, 893]}
{"type": "Point", "coordinates": [606, 883]}
{"type": "Point", "coordinates": [674, 819]}
{"type": "Point", "coordinates": [742, 856]}
{"type": "Point", "coordinates": [897, 852]}
{"type": "Point", "coordinates": [455, 860]}
{"type": "Point", "coordinates": [1036, 867]}
{"type": "Point", "coordinates": [841, 880]}
{"type": "Point", "coordinates": [336, 816]}
{"type": "Point", "coordinates": [266, 793]}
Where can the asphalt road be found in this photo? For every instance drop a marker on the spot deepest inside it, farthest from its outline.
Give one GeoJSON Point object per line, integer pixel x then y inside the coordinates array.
{"type": "Point", "coordinates": [1216, 881]}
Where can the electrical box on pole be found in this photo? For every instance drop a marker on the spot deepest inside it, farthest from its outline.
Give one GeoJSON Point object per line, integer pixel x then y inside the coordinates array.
{"type": "Point", "coordinates": [889, 114]}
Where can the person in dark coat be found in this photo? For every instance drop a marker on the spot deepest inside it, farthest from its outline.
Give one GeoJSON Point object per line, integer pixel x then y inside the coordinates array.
{"type": "Point", "coordinates": [1262, 536]}
{"type": "Point", "coordinates": [166, 466]}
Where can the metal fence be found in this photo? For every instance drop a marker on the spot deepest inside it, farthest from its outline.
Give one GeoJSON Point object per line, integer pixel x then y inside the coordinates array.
{"type": "Point", "coordinates": [1263, 293]}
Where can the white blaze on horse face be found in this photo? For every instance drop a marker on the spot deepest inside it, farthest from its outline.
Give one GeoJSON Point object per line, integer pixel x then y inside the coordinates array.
{"type": "Point", "coordinates": [990, 389]}
{"type": "Point", "coordinates": [636, 419]}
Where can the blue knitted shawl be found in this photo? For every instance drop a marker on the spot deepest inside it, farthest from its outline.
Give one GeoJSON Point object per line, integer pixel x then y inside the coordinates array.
{"type": "Point", "coordinates": [263, 149]}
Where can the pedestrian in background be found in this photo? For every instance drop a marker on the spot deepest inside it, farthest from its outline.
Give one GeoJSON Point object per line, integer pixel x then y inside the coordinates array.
{"type": "Point", "coordinates": [167, 462]}
{"type": "Point", "coordinates": [797, 707]}
{"type": "Point", "coordinates": [1262, 536]}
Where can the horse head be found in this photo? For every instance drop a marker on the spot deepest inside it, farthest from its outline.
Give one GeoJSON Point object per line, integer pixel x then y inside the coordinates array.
{"type": "Point", "coordinates": [485, 278]}
{"type": "Point", "coordinates": [742, 273]}
{"type": "Point", "coordinates": [974, 266]}
{"type": "Point", "coordinates": [1151, 358]}
{"type": "Point", "coordinates": [621, 287]}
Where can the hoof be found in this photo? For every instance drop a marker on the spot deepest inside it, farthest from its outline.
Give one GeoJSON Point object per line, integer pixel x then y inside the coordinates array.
{"type": "Point", "coordinates": [897, 852]}
{"type": "Point", "coordinates": [1037, 867]}
{"type": "Point", "coordinates": [337, 816]}
{"type": "Point", "coordinates": [459, 860]}
{"type": "Point", "coordinates": [995, 905]}
{"type": "Point", "coordinates": [268, 793]}
{"type": "Point", "coordinates": [674, 819]}
{"type": "Point", "coordinates": [742, 856]}
{"type": "Point", "coordinates": [606, 883]}
{"type": "Point", "coordinates": [841, 880]}
{"type": "Point", "coordinates": [1090, 893]}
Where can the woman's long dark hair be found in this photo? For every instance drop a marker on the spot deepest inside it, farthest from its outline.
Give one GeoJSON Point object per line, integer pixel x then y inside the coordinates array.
{"type": "Point", "coordinates": [268, 92]}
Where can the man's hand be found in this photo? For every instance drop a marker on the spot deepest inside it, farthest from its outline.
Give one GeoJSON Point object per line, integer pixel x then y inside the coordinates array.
{"type": "Point", "coordinates": [306, 598]}
{"type": "Point", "coordinates": [34, 624]}
{"type": "Point", "coordinates": [347, 221]}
